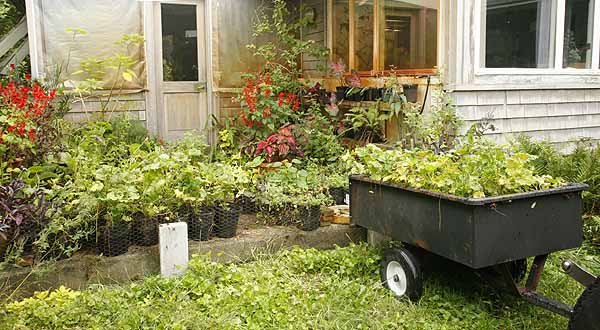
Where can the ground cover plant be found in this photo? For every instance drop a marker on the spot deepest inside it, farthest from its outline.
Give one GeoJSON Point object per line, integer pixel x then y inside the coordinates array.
{"type": "Point", "coordinates": [297, 289]}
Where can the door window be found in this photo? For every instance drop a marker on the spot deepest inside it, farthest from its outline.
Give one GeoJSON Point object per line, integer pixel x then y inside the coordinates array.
{"type": "Point", "coordinates": [179, 42]}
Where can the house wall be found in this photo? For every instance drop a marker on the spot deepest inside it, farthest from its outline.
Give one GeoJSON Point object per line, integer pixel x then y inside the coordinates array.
{"type": "Point", "coordinates": [558, 116]}
{"type": "Point", "coordinates": [133, 105]}
{"type": "Point", "coordinates": [548, 105]}
{"type": "Point", "coordinates": [311, 66]}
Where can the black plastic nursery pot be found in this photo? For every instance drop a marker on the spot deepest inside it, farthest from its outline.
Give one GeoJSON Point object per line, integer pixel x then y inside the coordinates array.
{"type": "Point", "coordinates": [410, 91]}
{"type": "Point", "coordinates": [339, 195]}
{"type": "Point", "coordinates": [340, 93]}
{"type": "Point", "coordinates": [113, 239]}
{"type": "Point", "coordinates": [246, 203]}
{"type": "Point", "coordinates": [280, 215]}
{"type": "Point", "coordinates": [144, 232]}
{"type": "Point", "coordinates": [309, 217]}
{"type": "Point", "coordinates": [200, 224]}
{"type": "Point", "coordinates": [227, 217]}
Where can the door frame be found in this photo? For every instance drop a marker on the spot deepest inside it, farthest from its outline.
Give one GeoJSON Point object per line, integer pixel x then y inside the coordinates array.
{"type": "Point", "coordinates": [155, 112]}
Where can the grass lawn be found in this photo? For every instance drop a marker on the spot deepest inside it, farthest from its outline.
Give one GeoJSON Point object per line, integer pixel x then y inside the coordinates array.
{"type": "Point", "coordinates": [299, 289]}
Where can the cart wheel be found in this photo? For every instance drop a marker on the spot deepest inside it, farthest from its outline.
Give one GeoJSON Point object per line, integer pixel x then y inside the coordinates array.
{"type": "Point", "coordinates": [585, 313]}
{"type": "Point", "coordinates": [401, 273]}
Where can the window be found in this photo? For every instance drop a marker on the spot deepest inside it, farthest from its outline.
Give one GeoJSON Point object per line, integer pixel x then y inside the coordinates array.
{"type": "Point", "coordinates": [539, 34]}
{"type": "Point", "coordinates": [519, 34]}
{"type": "Point", "coordinates": [410, 34]}
{"type": "Point", "coordinates": [577, 46]}
{"type": "Point", "coordinates": [180, 42]}
{"type": "Point", "coordinates": [341, 34]}
{"type": "Point", "coordinates": [375, 35]}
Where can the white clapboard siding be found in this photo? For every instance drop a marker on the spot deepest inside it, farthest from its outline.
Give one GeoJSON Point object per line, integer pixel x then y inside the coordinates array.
{"type": "Point", "coordinates": [132, 104]}
{"type": "Point", "coordinates": [558, 116]}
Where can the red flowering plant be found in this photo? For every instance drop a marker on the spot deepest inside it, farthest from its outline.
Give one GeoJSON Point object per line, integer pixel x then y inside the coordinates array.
{"type": "Point", "coordinates": [266, 106]}
{"type": "Point", "coordinates": [25, 119]}
{"type": "Point", "coordinates": [280, 146]}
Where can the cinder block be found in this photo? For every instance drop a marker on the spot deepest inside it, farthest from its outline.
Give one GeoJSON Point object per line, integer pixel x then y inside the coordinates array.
{"type": "Point", "coordinates": [173, 244]}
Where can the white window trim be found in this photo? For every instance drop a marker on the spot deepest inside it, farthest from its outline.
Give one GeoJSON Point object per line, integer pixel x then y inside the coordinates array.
{"type": "Point", "coordinates": [479, 39]}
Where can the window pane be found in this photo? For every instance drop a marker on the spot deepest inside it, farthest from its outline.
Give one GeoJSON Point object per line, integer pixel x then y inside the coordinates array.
{"type": "Point", "coordinates": [180, 42]}
{"type": "Point", "coordinates": [341, 31]}
{"type": "Point", "coordinates": [578, 34]}
{"type": "Point", "coordinates": [363, 36]}
{"type": "Point", "coordinates": [519, 34]}
{"type": "Point", "coordinates": [410, 34]}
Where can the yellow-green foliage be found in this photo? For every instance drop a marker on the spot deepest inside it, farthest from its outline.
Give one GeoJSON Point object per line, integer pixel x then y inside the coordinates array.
{"type": "Point", "coordinates": [477, 169]}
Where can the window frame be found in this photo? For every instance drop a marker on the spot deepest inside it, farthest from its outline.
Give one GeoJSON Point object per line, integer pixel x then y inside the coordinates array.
{"type": "Point", "coordinates": [557, 69]}
{"type": "Point", "coordinates": [378, 57]}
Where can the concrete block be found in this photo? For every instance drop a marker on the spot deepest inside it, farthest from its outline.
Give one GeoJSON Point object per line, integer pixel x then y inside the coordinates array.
{"type": "Point", "coordinates": [173, 245]}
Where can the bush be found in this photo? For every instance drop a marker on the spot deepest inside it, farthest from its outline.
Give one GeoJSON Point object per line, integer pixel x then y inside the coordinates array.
{"type": "Point", "coordinates": [581, 165]}
{"type": "Point", "coordinates": [28, 128]}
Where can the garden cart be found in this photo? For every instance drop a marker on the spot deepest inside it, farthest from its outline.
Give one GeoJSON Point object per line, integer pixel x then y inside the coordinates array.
{"type": "Point", "coordinates": [497, 233]}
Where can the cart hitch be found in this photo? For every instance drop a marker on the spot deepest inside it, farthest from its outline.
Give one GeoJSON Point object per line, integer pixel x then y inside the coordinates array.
{"type": "Point", "coordinates": [578, 274]}
{"type": "Point", "coordinates": [548, 304]}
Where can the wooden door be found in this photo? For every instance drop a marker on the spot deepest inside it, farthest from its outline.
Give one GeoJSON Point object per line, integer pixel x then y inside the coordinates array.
{"type": "Point", "coordinates": [181, 50]}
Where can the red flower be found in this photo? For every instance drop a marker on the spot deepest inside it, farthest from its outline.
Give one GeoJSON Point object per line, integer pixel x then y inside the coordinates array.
{"type": "Point", "coordinates": [27, 77]}
{"type": "Point", "coordinates": [280, 101]}
{"type": "Point", "coordinates": [32, 135]}
{"type": "Point", "coordinates": [267, 92]}
{"type": "Point", "coordinates": [12, 66]}
{"type": "Point", "coordinates": [22, 129]}
{"type": "Point", "coordinates": [296, 105]}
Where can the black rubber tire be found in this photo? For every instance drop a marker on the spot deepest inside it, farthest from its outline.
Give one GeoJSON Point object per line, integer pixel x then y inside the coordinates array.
{"type": "Point", "coordinates": [586, 313]}
{"type": "Point", "coordinates": [411, 267]}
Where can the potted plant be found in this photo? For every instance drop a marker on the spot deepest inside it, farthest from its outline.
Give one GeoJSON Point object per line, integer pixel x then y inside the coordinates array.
{"type": "Point", "coordinates": [118, 197]}
{"type": "Point", "coordinates": [274, 205]}
{"type": "Point", "coordinates": [226, 180]}
{"type": "Point", "coordinates": [338, 69]}
{"type": "Point", "coordinates": [338, 187]}
{"type": "Point", "coordinates": [365, 124]}
{"type": "Point", "coordinates": [280, 146]}
{"type": "Point", "coordinates": [308, 210]}
{"type": "Point", "coordinates": [113, 236]}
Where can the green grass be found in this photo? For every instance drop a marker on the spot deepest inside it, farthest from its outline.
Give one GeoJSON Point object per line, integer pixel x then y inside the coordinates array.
{"type": "Point", "coordinates": [299, 289]}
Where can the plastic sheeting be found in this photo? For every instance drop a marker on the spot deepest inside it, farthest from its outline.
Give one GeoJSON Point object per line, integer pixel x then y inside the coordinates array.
{"type": "Point", "coordinates": [107, 21]}
{"type": "Point", "coordinates": [232, 30]}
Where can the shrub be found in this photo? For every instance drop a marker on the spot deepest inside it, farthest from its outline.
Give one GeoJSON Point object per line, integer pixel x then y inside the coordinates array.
{"type": "Point", "coordinates": [27, 121]}
{"type": "Point", "coordinates": [581, 165]}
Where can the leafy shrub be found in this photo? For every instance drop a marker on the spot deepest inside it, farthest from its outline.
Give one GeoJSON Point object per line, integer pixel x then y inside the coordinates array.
{"type": "Point", "coordinates": [27, 121]}
{"type": "Point", "coordinates": [280, 146]}
{"type": "Point", "coordinates": [581, 165]}
{"type": "Point", "coordinates": [591, 230]}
